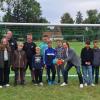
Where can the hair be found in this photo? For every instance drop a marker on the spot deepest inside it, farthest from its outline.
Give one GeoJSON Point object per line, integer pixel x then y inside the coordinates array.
{"type": "Point", "coordinates": [37, 47]}
{"type": "Point", "coordinates": [29, 34]}
{"type": "Point", "coordinates": [87, 42]}
{"type": "Point", "coordinates": [95, 41]}
{"type": "Point", "coordinates": [59, 40]}
{"type": "Point", "coordinates": [45, 36]}
{"type": "Point", "coordinates": [67, 43]}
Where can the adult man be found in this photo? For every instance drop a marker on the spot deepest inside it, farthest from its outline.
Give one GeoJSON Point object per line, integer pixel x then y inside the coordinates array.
{"type": "Point", "coordinates": [29, 48]}
{"type": "Point", "coordinates": [11, 40]}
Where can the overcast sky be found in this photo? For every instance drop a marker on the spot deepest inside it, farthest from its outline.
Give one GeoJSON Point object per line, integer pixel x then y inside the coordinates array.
{"type": "Point", "coordinates": [54, 9]}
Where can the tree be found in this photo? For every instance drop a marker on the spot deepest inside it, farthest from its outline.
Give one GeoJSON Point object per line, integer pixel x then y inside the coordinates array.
{"type": "Point", "coordinates": [79, 17]}
{"type": "Point", "coordinates": [23, 11]}
{"type": "Point", "coordinates": [66, 18]}
{"type": "Point", "coordinates": [92, 17]}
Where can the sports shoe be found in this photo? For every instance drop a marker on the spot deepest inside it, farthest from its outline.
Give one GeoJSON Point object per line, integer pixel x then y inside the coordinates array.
{"type": "Point", "coordinates": [35, 84]}
{"type": "Point", "coordinates": [81, 85]}
{"type": "Point", "coordinates": [54, 82]}
{"type": "Point", "coordinates": [49, 83]}
{"type": "Point", "coordinates": [7, 85]}
{"type": "Point", "coordinates": [41, 83]}
{"type": "Point", "coordinates": [0, 86]}
{"type": "Point", "coordinates": [63, 84]}
{"type": "Point", "coordinates": [92, 84]}
{"type": "Point", "coordinates": [85, 84]}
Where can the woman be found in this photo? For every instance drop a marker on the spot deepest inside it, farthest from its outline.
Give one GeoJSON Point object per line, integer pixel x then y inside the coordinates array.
{"type": "Point", "coordinates": [4, 63]}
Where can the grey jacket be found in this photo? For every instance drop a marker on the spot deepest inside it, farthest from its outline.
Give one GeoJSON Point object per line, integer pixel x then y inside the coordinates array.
{"type": "Point", "coordinates": [96, 60]}
{"type": "Point", "coordinates": [72, 57]}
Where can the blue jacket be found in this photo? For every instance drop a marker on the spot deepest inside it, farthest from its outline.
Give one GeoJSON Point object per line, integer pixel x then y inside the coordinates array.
{"type": "Point", "coordinates": [50, 54]}
{"type": "Point", "coordinates": [37, 62]}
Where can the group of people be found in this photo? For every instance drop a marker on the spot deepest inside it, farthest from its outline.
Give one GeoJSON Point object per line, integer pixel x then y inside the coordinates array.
{"type": "Point", "coordinates": [20, 56]}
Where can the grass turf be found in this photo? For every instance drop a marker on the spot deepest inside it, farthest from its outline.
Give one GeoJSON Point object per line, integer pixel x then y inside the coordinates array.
{"type": "Point", "coordinates": [55, 92]}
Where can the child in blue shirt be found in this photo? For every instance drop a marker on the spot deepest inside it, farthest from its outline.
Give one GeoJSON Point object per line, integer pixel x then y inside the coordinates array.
{"type": "Point", "coordinates": [50, 54]}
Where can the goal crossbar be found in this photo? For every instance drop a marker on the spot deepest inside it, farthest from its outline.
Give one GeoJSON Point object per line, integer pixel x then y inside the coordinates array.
{"type": "Point", "coordinates": [49, 24]}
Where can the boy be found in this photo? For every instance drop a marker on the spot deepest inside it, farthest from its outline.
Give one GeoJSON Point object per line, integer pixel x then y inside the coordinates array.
{"type": "Point", "coordinates": [49, 57]}
{"type": "Point", "coordinates": [37, 64]}
{"type": "Point", "coordinates": [87, 61]}
{"type": "Point", "coordinates": [19, 64]}
{"type": "Point", "coordinates": [96, 61]}
{"type": "Point", "coordinates": [59, 56]}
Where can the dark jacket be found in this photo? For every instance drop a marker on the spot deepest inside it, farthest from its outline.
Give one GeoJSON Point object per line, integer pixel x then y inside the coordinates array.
{"type": "Point", "coordinates": [20, 59]}
{"type": "Point", "coordinates": [96, 60]}
{"type": "Point", "coordinates": [50, 54]}
{"type": "Point", "coordinates": [2, 48]}
{"type": "Point", "coordinates": [86, 56]}
{"type": "Point", "coordinates": [30, 49]}
{"type": "Point", "coordinates": [13, 44]}
{"type": "Point", "coordinates": [37, 62]}
{"type": "Point", "coordinates": [72, 57]}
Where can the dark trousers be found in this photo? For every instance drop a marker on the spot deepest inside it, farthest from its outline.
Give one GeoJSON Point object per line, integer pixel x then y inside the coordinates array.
{"type": "Point", "coordinates": [68, 67]}
{"type": "Point", "coordinates": [29, 64]}
{"type": "Point", "coordinates": [53, 70]}
{"type": "Point", "coordinates": [38, 75]}
{"type": "Point", "coordinates": [19, 75]}
{"type": "Point", "coordinates": [95, 73]}
{"type": "Point", "coordinates": [4, 74]}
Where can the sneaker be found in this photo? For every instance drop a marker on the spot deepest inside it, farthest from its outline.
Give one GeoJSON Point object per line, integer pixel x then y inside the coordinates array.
{"type": "Point", "coordinates": [0, 86]}
{"type": "Point", "coordinates": [85, 84]}
{"type": "Point", "coordinates": [7, 85]}
{"type": "Point", "coordinates": [92, 84]}
{"type": "Point", "coordinates": [54, 82]}
{"type": "Point", "coordinates": [63, 84]}
{"type": "Point", "coordinates": [81, 85]}
{"type": "Point", "coordinates": [41, 83]}
{"type": "Point", "coordinates": [49, 83]}
{"type": "Point", "coordinates": [35, 84]}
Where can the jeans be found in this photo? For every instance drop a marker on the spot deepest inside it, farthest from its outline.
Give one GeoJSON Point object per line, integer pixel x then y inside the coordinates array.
{"type": "Point", "coordinates": [19, 75]}
{"type": "Point", "coordinates": [60, 68]}
{"type": "Point", "coordinates": [87, 74]}
{"type": "Point", "coordinates": [53, 70]}
{"type": "Point", "coordinates": [66, 70]}
{"type": "Point", "coordinates": [95, 73]}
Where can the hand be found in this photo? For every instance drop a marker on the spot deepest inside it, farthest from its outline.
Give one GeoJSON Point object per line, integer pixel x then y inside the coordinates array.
{"type": "Point", "coordinates": [33, 69]}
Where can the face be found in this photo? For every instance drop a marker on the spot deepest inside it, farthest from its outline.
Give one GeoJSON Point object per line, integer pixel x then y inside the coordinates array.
{"type": "Point", "coordinates": [4, 41]}
{"type": "Point", "coordinates": [50, 44]}
{"type": "Point", "coordinates": [45, 39]}
{"type": "Point", "coordinates": [65, 45]}
{"type": "Point", "coordinates": [95, 45]}
{"type": "Point", "coordinates": [9, 35]}
{"type": "Point", "coordinates": [38, 50]}
{"type": "Point", "coordinates": [20, 46]}
{"type": "Point", "coordinates": [87, 46]}
{"type": "Point", "coordinates": [29, 38]}
{"type": "Point", "coordinates": [59, 43]}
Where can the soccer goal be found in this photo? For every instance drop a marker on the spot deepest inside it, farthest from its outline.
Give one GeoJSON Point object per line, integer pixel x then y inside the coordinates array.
{"type": "Point", "coordinates": [75, 34]}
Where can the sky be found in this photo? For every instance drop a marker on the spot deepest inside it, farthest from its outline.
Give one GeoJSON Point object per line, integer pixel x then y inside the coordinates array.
{"type": "Point", "coordinates": [54, 9]}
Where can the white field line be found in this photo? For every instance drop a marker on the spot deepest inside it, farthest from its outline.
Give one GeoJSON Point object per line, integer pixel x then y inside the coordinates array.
{"type": "Point", "coordinates": [11, 75]}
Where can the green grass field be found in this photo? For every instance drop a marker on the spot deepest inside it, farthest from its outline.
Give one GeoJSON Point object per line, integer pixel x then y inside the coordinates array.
{"type": "Point", "coordinates": [54, 92]}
